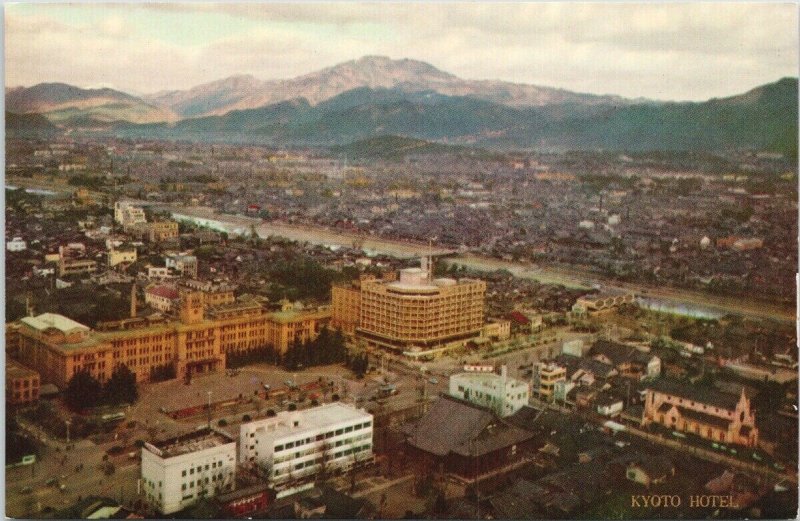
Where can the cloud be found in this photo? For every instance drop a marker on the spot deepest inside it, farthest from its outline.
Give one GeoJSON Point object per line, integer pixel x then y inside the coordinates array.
{"type": "Point", "coordinates": [666, 51]}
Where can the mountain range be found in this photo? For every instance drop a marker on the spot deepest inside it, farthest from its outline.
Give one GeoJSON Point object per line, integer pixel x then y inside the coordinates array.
{"type": "Point", "coordinates": [376, 96]}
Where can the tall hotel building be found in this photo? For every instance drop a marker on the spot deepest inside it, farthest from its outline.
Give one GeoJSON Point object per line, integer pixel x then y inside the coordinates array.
{"type": "Point", "coordinates": [418, 313]}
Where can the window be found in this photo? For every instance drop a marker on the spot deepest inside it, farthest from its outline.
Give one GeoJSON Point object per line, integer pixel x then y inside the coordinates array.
{"type": "Point", "coordinates": [206, 466]}
{"type": "Point", "coordinates": [183, 474]}
{"type": "Point", "coordinates": [278, 448]}
{"type": "Point", "coordinates": [183, 487]}
{"type": "Point", "coordinates": [191, 484]}
{"type": "Point", "coordinates": [191, 470]}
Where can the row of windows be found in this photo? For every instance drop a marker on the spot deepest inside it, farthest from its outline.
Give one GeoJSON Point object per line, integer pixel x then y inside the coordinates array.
{"type": "Point", "coordinates": [339, 443]}
{"type": "Point", "coordinates": [25, 383]}
{"type": "Point", "coordinates": [319, 437]}
{"type": "Point", "coordinates": [318, 460]}
{"type": "Point", "coordinates": [199, 468]}
{"type": "Point", "coordinates": [202, 481]}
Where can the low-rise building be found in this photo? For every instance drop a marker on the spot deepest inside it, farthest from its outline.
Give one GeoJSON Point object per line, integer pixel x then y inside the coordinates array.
{"type": "Point", "coordinates": [608, 405]}
{"type": "Point", "coordinates": [158, 273]}
{"type": "Point", "coordinates": [629, 361]}
{"type": "Point", "coordinates": [652, 470]}
{"type": "Point", "coordinates": [16, 244]}
{"type": "Point", "coordinates": [466, 440]}
{"type": "Point", "coordinates": [162, 297]}
{"type": "Point", "coordinates": [116, 257]}
{"type": "Point", "coordinates": [497, 330]}
{"type": "Point", "coordinates": [76, 266]}
{"type": "Point", "coordinates": [500, 393]}
{"type": "Point", "coordinates": [214, 294]}
{"type": "Point", "coordinates": [297, 445]}
{"type": "Point", "coordinates": [184, 264]}
{"type": "Point", "coordinates": [179, 471]}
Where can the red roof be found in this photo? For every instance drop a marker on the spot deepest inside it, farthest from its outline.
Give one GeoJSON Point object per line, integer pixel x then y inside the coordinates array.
{"type": "Point", "coordinates": [518, 317]}
{"type": "Point", "coordinates": [164, 291]}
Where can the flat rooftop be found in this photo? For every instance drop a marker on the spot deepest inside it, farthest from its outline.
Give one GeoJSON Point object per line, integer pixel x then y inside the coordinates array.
{"type": "Point", "coordinates": [309, 420]}
{"type": "Point", "coordinates": [195, 441]}
{"type": "Point", "coordinates": [53, 320]}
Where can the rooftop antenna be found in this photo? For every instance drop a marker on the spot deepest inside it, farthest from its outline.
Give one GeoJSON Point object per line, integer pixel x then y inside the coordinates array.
{"type": "Point", "coordinates": [430, 259]}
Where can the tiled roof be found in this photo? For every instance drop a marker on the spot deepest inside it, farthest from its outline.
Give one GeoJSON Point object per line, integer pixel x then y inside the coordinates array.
{"type": "Point", "coordinates": [456, 426]}
{"type": "Point", "coordinates": [695, 393]}
{"type": "Point", "coordinates": [706, 419]}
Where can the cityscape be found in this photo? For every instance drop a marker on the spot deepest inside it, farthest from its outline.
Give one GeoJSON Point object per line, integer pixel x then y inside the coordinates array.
{"type": "Point", "coordinates": [339, 284]}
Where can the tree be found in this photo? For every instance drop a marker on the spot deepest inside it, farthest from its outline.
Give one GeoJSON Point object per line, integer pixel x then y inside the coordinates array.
{"type": "Point", "coordinates": [83, 390]}
{"type": "Point", "coordinates": [121, 387]}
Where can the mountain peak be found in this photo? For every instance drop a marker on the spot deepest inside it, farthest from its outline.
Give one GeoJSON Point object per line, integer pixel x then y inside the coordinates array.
{"type": "Point", "coordinates": [406, 68]}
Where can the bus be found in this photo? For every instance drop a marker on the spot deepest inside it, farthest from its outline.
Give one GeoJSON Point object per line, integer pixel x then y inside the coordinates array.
{"type": "Point", "coordinates": [112, 417]}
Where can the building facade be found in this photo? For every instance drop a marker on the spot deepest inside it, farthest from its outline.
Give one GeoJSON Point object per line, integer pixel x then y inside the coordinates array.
{"type": "Point", "coordinates": [346, 306]}
{"type": "Point", "coordinates": [417, 313]}
{"type": "Point", "coordinates": [161, 297]}
{"type": "Point", "coordinates": [498, 392]}
{"type": "Point", "coordinates": [127, 214]}
{"type": "Point", "coordinates": [196, 340]}
{"type": "Point", "coordinates": [297, 445]}
{"type": "Point", "coordinates": [545, 379]}
{"type": "Point", "coordinates": [707, 413]}
{"type": "Point", "coordinates": [116, 257]}
{"type": "Point", "coordinates": [178, 472]}
{"type": "Point", "coordinates": [22, 384]}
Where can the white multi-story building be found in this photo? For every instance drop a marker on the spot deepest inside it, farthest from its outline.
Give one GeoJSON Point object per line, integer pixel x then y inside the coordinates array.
{"type": "Point", "coordinates": [128, 215]}
{"type": "Point", "coordinates": [294, 445]}
{"type": "Point", "coordinates": [499, 392]}
{"type": "Point", "coordinates": [179, 471]}
{"type": "Point", "coordinates": [185, 264]}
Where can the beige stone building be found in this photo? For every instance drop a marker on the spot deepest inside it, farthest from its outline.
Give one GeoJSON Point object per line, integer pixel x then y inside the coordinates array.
{"type": "Point", "coordinates": [196, 341]}
{"type": "Point", "coordinates": [417, 313]}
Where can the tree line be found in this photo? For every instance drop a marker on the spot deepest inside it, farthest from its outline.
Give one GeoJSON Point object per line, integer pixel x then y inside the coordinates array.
{"type": "Point", "coordinates": [84, 390]}
{"type": "Point", "coordinates": [326, 349]}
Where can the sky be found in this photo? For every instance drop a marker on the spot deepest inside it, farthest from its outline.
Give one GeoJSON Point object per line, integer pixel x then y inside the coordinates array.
{"type": "Point", "coordinates": [671, 51]}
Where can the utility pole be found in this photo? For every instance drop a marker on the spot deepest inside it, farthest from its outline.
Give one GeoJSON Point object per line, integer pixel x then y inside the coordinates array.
{"type": "Point", "coordinates": [68, 423]}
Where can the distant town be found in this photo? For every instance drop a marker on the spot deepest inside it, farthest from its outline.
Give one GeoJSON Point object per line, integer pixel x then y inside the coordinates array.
{"type": "Point", "coordinates": [220, 330]}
